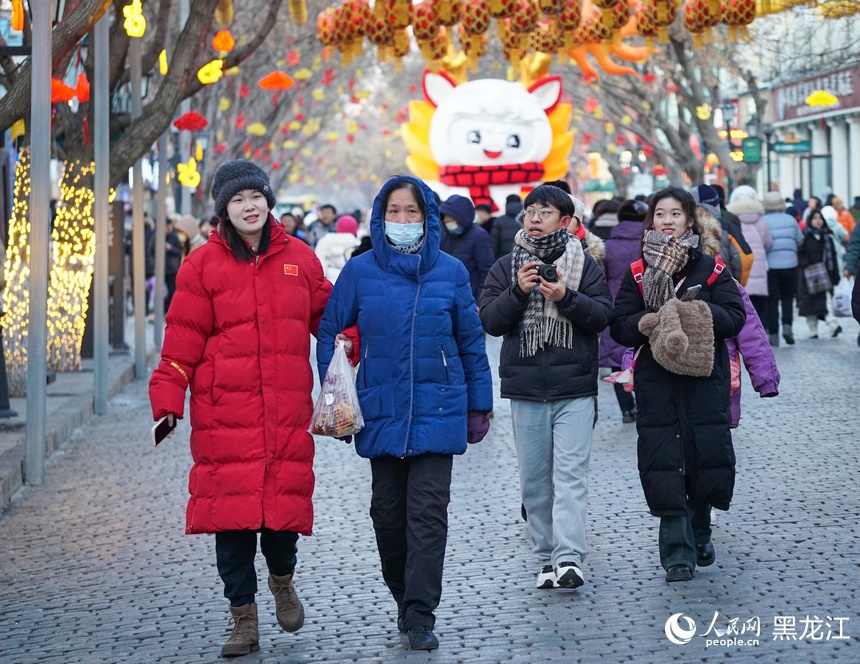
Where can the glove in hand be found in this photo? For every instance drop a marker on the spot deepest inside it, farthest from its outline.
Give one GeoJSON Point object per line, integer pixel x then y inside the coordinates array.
{"type": "Point", "coordinates": [478, 426]}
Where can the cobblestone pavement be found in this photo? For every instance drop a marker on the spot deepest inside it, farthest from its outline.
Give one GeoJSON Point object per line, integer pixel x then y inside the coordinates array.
{"type": "Point", "coordinates": [94, 565]}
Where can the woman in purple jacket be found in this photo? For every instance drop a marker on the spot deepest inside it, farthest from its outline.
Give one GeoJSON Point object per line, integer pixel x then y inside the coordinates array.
{"type": "Point", "coordinates": [623, 247]}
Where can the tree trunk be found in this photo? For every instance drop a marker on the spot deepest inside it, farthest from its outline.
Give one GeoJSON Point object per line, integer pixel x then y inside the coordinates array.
{"type": "Point", "coordinates": [16, 295]}
{"type": "Point", "coordinates": [74, 245]}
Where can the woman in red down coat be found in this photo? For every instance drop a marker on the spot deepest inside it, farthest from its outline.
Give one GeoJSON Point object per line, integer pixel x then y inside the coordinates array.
{"type": "Point", "coordinates": [238, 334]}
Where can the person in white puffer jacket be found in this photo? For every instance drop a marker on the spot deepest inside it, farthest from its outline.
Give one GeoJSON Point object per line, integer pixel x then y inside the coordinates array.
{"type": "Point", "coordinates": [333, 249]}
{"type": "Point", "coordinates": [745, 203]}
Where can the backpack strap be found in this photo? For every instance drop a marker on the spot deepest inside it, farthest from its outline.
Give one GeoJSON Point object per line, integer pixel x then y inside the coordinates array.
{"type": "Point", "coordinates": [638, 270]}
{"type": "Point", "coordinates": [719, 266]}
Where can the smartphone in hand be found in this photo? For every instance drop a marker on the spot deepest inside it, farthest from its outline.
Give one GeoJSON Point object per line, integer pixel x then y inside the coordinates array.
{"type": "Point", "coordinates": [691, 293]}
{"type": "Point", "coordinates": [162, 429]}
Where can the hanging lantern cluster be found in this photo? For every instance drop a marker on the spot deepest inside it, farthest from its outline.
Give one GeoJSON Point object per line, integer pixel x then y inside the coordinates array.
{"type": "Point", "coordinates": [523, 26]}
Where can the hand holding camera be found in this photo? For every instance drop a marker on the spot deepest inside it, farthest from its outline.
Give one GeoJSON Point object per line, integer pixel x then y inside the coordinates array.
{"type": "Point", "coordinates": [547, 277]}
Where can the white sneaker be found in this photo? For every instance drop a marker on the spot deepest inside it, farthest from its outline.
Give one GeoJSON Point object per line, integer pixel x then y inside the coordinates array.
{"type": "Point", "coordinates": [568, 575]}
{"type": "Point", "coordinates": [546, 578]}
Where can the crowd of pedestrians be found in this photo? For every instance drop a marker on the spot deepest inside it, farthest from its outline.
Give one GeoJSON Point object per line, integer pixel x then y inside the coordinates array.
{"type": "Point", "coordinates": [669, 295]}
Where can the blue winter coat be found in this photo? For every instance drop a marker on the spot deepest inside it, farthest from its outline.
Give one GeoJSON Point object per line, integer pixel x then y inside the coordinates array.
{"type": "Point", "coordinates": [423, 362]}
{"type": "Point", "coordinates": [787, 237]}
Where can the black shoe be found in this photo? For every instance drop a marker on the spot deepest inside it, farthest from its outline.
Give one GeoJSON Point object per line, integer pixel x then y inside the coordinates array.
{"type": "Point", "coordinates": [789, 338]}
{"type": "Point", "coordinates": [705, 554]}
{"type": "Point", "coordinates": [523, 512]}
{"type": "Point", "coordinates": [400, 626]}
{"type": "Point", "coordinates": [628, 416]}
{"type": "Point", "coordinates": [678, 573]}
{"type": "Point", "coordinates": [422, 638]}
{"type": "Point", "coordinates": [837, 331]}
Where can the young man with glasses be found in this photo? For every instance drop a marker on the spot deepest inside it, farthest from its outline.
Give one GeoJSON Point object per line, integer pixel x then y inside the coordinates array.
{"type": "Point", "coordinates": [550, 320]}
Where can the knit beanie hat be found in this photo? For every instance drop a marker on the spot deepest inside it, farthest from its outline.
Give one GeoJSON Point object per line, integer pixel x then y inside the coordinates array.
{"type": "Point", "coordinates": [633, 211]}
{"type": "Point", "coordinates": [773, 201]}
{"type": "Point", "coordinates": [578, 208]}
{"type": "Point", "coordinates": [236, 176]}
{"type": "Point", "coordinates": [743, 193]}
{"type": "Point", "coordinates": [460, 208]}
{"type": "Point", "coordinates": [705, 194]}
{"type": "Point", "coordinates": [347, 224]}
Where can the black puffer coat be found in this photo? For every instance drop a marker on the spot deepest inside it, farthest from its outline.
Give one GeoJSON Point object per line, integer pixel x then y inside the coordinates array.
{"type": "Point", "coordinates": [683, 422]}
{"type": "Point", "coordinates": [817, 247]}
{"type": "Point", "coordinates": [555, 373]}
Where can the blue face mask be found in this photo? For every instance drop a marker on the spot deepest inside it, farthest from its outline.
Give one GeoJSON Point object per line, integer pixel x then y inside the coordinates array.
{"type": "Point", "coordinates": [403, 235]}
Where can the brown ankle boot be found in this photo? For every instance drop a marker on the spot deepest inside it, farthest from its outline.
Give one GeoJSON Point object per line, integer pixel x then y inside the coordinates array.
{"type": "Point", "coordinates": [288, 608]}
{"type": "Point", "coordinates": [245, 638]}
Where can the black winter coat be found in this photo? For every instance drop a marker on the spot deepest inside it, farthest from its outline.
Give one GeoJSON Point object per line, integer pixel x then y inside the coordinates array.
{"type": "Point", "coordinates": [554, 373]}
{"type": "Point", "coordinates": [685, 447]}
{"type": "Point", "coordinates": [505, 228]}
{"type": "Point", "coordinates": [812, 250]}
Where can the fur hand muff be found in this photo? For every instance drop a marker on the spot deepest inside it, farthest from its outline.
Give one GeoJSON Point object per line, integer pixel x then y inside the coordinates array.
{"type": "Point", "coordinates": [648, 323]}
{"type": "Point", "coordinates": [682, 338]}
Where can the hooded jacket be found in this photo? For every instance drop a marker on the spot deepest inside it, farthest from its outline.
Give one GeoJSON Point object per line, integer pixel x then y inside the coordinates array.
{"type": "Point", "coordinates": [238, 334]}
{"type": "Point", "coordinates": [423, 362]}
{"type": "Point", "coordinates": [623, 247]}
{"type": "Point", "coordinates": [474, 248]}
{"type": "Point", "coordinates": [755, 230]}
{"type": "Point", "coordinates": [751, 345]}
{"type": "Point", "coordinates": [685, 446]}
{"type": "Point", "coordinates": [505, 228]}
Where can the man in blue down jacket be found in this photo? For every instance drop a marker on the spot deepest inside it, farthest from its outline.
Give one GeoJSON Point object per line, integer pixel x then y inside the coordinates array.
{"type": "Point", "coordinates": [424, 386]}
{"type": "Point", "coordinates": [549, 372]}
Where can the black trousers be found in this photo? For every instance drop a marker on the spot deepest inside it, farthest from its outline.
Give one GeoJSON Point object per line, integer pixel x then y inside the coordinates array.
{"type": "Point", "coordinates": [235, 551]}
{"type": "Point", "coordinates": [781, 291]}
{"type": "Point", "coordinates": [409, 509]}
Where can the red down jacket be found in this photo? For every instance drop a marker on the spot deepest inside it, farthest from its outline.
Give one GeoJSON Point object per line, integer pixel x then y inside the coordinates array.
{"type": "Point", "coordinates": [238, 333]}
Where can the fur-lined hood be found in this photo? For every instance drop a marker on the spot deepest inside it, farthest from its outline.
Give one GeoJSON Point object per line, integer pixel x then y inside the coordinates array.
{"type": "Point", "coordinates": [710, 230]}
{"type": "Point", "coordinates": [595, 247]}
{"type": "Point", "coordinates": [746, 206]}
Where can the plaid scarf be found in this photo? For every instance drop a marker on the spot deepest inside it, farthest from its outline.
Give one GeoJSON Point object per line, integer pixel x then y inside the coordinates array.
{"type": "Point", "coordinates": [664, 256]}
{"type": "Point", "coordinates": [542, 325]}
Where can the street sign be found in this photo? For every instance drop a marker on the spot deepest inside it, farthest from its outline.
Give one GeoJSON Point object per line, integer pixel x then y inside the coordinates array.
{"type": "Point", "coordinates": [752, 150]}
{"type": "Point", "coordinates": [792, 147]}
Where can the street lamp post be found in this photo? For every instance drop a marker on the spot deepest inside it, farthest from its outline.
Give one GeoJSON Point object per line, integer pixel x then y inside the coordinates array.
{"type": "Point", "coordinates": [728, 115]}
{"type": "Point", "coordinates": [768, 134]}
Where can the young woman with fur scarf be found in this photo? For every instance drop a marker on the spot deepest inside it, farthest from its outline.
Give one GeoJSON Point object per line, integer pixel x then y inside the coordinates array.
{"type": "Point", "coordinates": [686, 459]}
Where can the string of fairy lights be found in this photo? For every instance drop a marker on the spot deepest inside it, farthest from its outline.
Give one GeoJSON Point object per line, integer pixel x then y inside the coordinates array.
{"type": "Point", "coordinates": [16, 294]}
{"type": "Point", "coordinates": [73, 254]}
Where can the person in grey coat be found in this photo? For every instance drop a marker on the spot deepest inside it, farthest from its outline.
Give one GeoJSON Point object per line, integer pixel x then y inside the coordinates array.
{"type": "Point", "coordinates": [782, 266]}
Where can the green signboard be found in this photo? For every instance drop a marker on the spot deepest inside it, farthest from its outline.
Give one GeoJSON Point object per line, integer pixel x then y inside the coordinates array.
{"type": "Point", "coordinates": [752, 150]}
{"type": "Point", "coordinates": [792, 147]}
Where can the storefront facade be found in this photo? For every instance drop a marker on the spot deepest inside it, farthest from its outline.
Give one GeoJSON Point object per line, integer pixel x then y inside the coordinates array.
{"type": "Point", "coordinates": [816, 147]}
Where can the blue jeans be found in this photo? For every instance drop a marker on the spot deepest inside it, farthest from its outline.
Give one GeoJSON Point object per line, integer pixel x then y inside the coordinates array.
{"type": "Point", "coordinates": [553, 442]}
{"type": "Point", "coordinates": [679, 536]}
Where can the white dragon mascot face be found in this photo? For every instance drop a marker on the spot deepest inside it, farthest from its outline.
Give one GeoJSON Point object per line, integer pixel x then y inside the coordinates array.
{"type": "Point", "coordinates": [490, 137]}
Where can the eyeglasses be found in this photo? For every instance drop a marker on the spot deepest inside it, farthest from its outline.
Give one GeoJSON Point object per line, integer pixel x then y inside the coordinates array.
{"type": "Point", "coordinates": [543, 213]}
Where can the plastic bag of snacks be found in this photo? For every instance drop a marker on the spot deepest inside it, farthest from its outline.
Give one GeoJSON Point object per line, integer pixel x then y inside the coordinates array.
{"type": "Point", "coordinates": [337, 411]}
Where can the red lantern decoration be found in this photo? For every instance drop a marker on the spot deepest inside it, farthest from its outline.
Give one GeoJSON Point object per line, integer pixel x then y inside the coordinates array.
{"type": "Point", "coordinates": [737, 15]}
{"type": "Point", "coordinates": [277, 80]}
{"type": "Point", "coordinates": [191, 121]}
{"type": "Point", "coordinates": [61, 92]}
{"type": "Point", "coordinates": [503, 8]}
{"type": "Point", "coordinates": [424, 23]}
{"type": "Point", "coordinates": [699, 17]}
{"type": "Point", "coordinates": [82, 88]}
{"type": "Point", "coordinates": [475, 18]}
{"type": "Point", "coordinates": [448, 11]}
{"type": "Point", "coordinates": [223, 41]}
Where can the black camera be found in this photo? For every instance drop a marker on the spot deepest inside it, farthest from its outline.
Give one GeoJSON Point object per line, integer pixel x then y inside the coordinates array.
{"type": "Point", "coordinates": [548, 272]}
